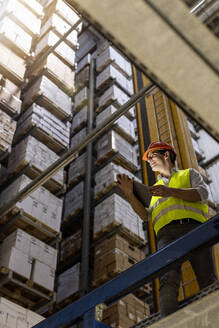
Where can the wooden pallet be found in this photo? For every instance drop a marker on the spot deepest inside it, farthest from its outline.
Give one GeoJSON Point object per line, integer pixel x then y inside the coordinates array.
{"type": "Point", "coordinates": [16, 218]}
{"type": "Point", "coordinates": [22, 290]}
{"type": "Point", "coordinates": [72, 214]}
{"type": "Point", "coordinates": [33, 172]}
{"type": "Point", "coordinates": [118, 159]}
{"type": "Point", "coordinates": [67, 301]}
{"type": "Point", "coordinates": [106, 229]}
{"type": "Point", "coordinates": [105, 190]}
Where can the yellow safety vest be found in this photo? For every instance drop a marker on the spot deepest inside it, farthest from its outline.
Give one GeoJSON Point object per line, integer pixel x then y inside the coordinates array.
{"type": "Point", "coordinates": [167, 209]}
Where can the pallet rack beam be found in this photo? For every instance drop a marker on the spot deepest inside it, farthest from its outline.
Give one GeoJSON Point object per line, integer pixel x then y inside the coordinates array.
{"type": "Point", "coordinates": [73, 152]}
{"type": "Point", "coordinates": [172, 47]}
{"type": "Point", "coordinates": [154, 265]}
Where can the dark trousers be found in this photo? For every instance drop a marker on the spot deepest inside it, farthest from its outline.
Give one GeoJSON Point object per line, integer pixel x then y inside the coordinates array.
{"type": "Point", "coordinates": [202, 265]}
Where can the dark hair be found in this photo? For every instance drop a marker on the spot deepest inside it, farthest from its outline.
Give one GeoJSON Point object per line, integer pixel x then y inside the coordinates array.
{"type": "Point", "coordinates": [172, 155]}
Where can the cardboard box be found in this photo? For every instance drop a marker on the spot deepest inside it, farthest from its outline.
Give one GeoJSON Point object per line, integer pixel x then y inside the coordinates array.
{"type": "Point", "coordinates": [6, 98]}
{"type": "Point", "coordinates": [68, 283]}
{"type": "Point", "coordinates": [43, 275]}
{"type": "Point", "coordinates": [24, 15]}
{"type": "Point", "coordinates": [12, 62]}
{"type": "Point", "coordinates": [30, 150]}
{"type": "Point", "coordinates": [74, 200]}
{"type": "Point", "coordinates": [70, 245]}
{"type": "Point", "coordinates": [114, 210]}
{"type": "Point", "coordinates": [77, 168]}
{"type": "Point", "coordinates": [111, 56]}
{"type": "Point", "coordinates": [41, 204]}
{"type": "Point", "coordinates": [81, 98]}
{"type": "Point", "coordinates": [112, 142]}
{"type": "Point", "coordinates": [16, 261]}
{"type": "Point", "coordinates": [123, 125]}
{"type": "Point", "coordinates": [79, 119]}
{"type": "Point", "coordinates": [117, 96]}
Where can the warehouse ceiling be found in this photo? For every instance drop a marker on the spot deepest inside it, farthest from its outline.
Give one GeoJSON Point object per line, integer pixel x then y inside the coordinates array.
{"type": "Point", "coordinates": [179, 53]}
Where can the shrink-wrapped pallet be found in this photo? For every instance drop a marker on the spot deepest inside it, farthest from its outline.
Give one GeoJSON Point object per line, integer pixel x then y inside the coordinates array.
{"type": "Point", "coordinates": [41, 205]}
{"type": "Point", "coordinates": [110, 55]}
{"type": "Point", "coordinates": [87, 42]}
{"type": "Point", "coordinates": [111, 73]}
{"type": "Point", "coordinates": [24, 15]}
{"type": "Point", "coordinates": [58, 99]}
{"type": "Point", "coordinates": [9, 100]}
{"type": "Point", "coordinates": [62, 9]}
{"type": "Point", "coordinates": [31, 246]}
{"type": "Point", "coordinates": [85, 61]}
{"type": "Point", "coordinates": [124, 126]}
{"type": "Point", "coordinates": [12, 62]}
{"type": "Point", "coordinates": [13, 32]}
{"type": "Point", "coordinates": [81, 98]}
{"type": "Point", "coordinates": [31, 151]}
{"type": "Point", "coordinates": [113, 211]}
{"type": "Point", "coordinates": [106, 177]}
{"type": "Point", "coordinates": [70, 245]}
{"type": "Point", "coordinates": [65, 52]}
{"type": "Point", "coordinates": [76, 168]}
{"type": "Point", "coordinates": [111, 143]}
{"type": "Point", "coordinates": [60, 73]}
{"type": "Point", "coordinates": [43, 275]}
{"type": "Point", "coordinates": [79, 119]}
{"type": "Point", "coordinates": [78, 137]}
{"type": "Point", "coordinates": [16, 316]}
{"type": "Point", "coordinates": [68, 283]}
{"type": "Point", "coordinates": [38, 116]}
{"type": "Point", "coordinates": [117, 96]}
{"type": "Point", "coordinates": [7, 130]}
{"type": "Point", "coordinates": [74, 200]}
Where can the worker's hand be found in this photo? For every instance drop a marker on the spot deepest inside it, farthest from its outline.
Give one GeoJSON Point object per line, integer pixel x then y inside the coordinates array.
{"type": "Point", "coordinates": [125, 184]}
{"type": "Point", "coordinates": [161, 191]}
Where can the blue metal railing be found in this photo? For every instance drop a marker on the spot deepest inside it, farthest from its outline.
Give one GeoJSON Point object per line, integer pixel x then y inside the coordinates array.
{"type": "Point", "coordinates": [204, 235]}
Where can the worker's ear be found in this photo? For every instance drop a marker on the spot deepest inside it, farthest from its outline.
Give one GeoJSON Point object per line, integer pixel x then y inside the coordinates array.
{"type": "Point", "coordinates": [167, 155]}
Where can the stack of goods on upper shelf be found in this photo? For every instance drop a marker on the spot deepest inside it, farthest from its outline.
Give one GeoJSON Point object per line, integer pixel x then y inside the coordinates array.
{"type": "Point", "coordinates": [14, 315]}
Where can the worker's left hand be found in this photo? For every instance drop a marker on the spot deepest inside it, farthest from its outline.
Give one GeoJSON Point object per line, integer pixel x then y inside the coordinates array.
{"type": "Point", "coordinates": [161, 191]}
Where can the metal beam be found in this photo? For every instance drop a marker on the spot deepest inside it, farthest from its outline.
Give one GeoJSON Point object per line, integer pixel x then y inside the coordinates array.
{"type": "Point", "coordinates": [204, 235]}
{"type": "Point", "coordinates": [170, 45]}
{"type": "Point", "coordinates": [73, 152]}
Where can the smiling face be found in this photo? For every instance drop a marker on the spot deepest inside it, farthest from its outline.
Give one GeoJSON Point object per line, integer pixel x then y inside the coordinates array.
{"type": "Point", "coordinates": [156, 160]}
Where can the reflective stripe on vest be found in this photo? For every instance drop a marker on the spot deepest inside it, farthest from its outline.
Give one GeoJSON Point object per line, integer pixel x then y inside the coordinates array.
{"type": "Point", "coordinates": [165, 210]}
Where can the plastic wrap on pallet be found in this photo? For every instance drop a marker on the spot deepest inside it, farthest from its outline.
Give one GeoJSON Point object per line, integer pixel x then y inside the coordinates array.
{"type": "Point", "coordinates": [24, 15]}
{"type": "Point", "coordinates": [55, 22]}
{"type": "Point", "coordinates": [114, 210]}
{"type": "Point", "coordinates": [30, 150]}
{"type": "Point", "coordinates": [59, 72]}
{"type": "Point", "coordinates": [16, 316]}
{"type": "Point", "coordinates": [83, 62]}
{"type": "Point", "coordinates": [106, 177]}
{"type": "Point", "coordinates": [114, 94]}
{"type": "Point", "coordinates": [76, 168]}
{"type": "Point", "coordinates": [74, 200]}
{"type": "Point", "coordinates": [112, 73]}
{"type": "Point", "coordinates": [70, 245]}
{"type": "Point", "coordinates": [7, 130]}
{"type": "Point", "coordinates": [49, 123]}
{"type": "Point", "coordinates": [81, 98]}
{"type": "Point", "coordinates": [41, 204]}
{"type": "Point", "coordinates": [15, 34]}
{"type": "Point", "coordinates": [62, 9]}
{"type": "Point", "coordinates": [124, 124]}
{"type": "Point", "coordinates": [127, 312]}
{"type": "Point", "coordinates": [63, 50]}
{"type": "Point", "coordinates": [33, 247]}
{"type": "Point", "coordinates": [78, 137]}
{"type": "Point", "coordinates": [68, 283]}
{"type": "Point", "coordinates": [12, 62]}
{"type": "Point", "coordinates": [43, 86]}
{"type": "Point", "coordinates": [87, 43]}
{"type": "Point", "coordinates": [8, 99]}
{"type": "Point", "coordinates": [110, 55]}
{"type": "Point", "coordinates": [12, 88]}
{"type": "Point", "coordinates": [113, 142]}
{"type": "Point", "coordinates": [79, 119]}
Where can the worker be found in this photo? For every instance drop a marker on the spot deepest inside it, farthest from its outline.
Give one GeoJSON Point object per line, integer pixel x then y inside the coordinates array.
{"type": "Point", "coordinates": [178, 205]}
